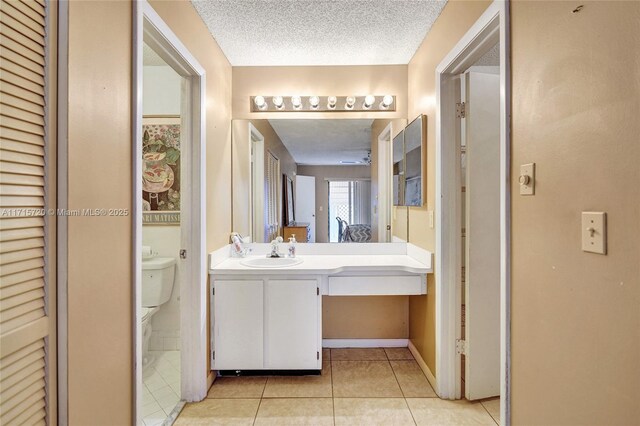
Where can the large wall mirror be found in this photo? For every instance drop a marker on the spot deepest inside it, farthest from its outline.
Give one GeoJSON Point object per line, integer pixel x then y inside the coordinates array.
{"type": "Point", "coordinates": [320, 179]}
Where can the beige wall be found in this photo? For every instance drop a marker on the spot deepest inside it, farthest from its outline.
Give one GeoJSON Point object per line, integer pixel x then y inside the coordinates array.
{"type": "Point", "coordinates": [100, 320]}
{"type": "Point", "coordinates": [321, 81]}
{"type": "Point", "coordinates": [369, 317]}
{"type": "Point", "coordinates": [454, 21]}
{"type": "Point", "coordinates": [322, 173]}
{"type": "Point", "coordinates": [242, 169]}
{"type": "Point", "coordinates": [575, 315]}
{"type": "Point", "coordinates": [100, 372]}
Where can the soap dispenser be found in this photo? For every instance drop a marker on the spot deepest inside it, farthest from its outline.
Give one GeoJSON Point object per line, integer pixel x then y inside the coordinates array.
{"type": "Point", "coordinates": [292, 246]}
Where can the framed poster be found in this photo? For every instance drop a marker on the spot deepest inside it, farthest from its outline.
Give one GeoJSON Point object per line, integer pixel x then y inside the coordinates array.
{"type": "Point", "coordinates": [161, 169]}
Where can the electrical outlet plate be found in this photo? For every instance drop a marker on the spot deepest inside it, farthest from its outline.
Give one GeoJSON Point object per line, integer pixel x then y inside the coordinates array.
{"type": "Point", "coordinates": [594, 232]}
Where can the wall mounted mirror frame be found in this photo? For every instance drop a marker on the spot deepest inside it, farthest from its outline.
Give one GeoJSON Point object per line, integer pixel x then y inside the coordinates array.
{"type": "Point", "coordinates": [415, 182]}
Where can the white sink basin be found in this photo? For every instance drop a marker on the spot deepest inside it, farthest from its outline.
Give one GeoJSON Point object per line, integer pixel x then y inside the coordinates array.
{"type": "Point", "coordinates": [269, 262]}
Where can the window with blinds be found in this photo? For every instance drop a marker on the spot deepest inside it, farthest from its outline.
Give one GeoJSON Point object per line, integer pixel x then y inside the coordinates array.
{"type": "Point", "coordinates": [272, 206]}
{"type": "Point", "coordinates": [24, 320]}
{"type": "Point", "coordinates": [350, 201]}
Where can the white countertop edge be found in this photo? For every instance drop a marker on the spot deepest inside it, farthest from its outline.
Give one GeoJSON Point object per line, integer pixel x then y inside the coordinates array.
{"type": "Point", "coordinates": [415, 253]}
{"type": "Point", "coordinates": [420, 254]}
{"type": "Point", "coordinates": [321, 271]}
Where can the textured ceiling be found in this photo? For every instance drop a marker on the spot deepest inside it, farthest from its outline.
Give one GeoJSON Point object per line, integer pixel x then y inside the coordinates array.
{"type": "Point", "coordinates": [325, 142]}
{"type": "Point", "coordinates": [319, 32]}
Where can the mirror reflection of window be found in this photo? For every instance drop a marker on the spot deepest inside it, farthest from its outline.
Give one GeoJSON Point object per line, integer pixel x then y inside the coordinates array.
{"type": "Point", "coordinates": [350, 207]}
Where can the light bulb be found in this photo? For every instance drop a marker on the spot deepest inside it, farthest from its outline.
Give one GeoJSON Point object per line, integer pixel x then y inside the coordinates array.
{"type": "Point", "coordinates": [314, 101]}
{"type": "Point", "coordinates": [368, 101]}
{"type": "Point", "coordinates": [278, 102]}
{"type": "Point", "coordinates": [351, 100]}
{"type": "Point", "coordinates": [296, 101]}
{"type": "Point", "coordinates": [260, 102]}
{"type": "Point", "coordinates": [387, 101]}
{"type": "Point", "coordinates": [331, 102]}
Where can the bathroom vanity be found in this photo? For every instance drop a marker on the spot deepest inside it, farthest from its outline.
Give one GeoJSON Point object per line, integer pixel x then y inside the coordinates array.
{"type": "Point", "coordinates": [267, 313]}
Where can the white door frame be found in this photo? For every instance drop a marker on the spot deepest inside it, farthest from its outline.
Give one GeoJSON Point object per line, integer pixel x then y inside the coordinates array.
{"type": "Point", "coordinates": [384, 184]}
{"type": "Point", "coordinates": [149, 27]}
{"type": "Point", "coordinates": [256, 203]}
{"type": "Point", "coordinates": [491, 27]}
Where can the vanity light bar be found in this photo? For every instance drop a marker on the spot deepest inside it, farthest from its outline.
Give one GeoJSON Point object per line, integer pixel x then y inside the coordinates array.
{"type": "Point", "coordinates": [314, 103]}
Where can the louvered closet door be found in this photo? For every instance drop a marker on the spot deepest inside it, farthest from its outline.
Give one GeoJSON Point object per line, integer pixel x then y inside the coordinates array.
{"type": "Point", "coordinates": [25, 342]}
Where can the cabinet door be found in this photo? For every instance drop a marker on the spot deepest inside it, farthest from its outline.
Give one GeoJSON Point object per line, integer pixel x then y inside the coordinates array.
{"type": "Point", "coordinates": [292, 324]}
{"type": "Point", "coordinates": [238, 325]}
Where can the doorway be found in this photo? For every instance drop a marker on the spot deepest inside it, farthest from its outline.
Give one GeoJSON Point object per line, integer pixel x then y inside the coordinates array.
{"type": "Point", "coordinates": [305, 204]}
{"type": "Point", "coordinates": [163, 146]}
{"type": "Point", "coordinates": [349, 206]}
{"type": "Point", "coordinates": [385, 192]}
{"type": "Point", "coordinates": [256, 143]}
{"type": "Point", "coordinates": [187, 166]}
{"type": "Point", "coordinates": [490, 29]}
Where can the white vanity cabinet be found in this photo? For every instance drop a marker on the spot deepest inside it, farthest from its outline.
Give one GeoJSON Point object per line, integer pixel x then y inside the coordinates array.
{"type": "Point", "coordinates": [266, 324]}
{"type": "Point", "coordinates": [237, 324]}
{"type": "Point", "coordinates": [292, 324]}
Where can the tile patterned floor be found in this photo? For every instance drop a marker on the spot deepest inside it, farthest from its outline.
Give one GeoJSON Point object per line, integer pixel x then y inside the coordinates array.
{"type": "Point", "coordinates": [161, 386]}
{"type": "Point", "coordinates": [357, 387]}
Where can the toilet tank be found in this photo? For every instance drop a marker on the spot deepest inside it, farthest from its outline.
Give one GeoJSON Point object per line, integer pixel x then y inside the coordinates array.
{"type": "Point", "coordinates": [158, 275]}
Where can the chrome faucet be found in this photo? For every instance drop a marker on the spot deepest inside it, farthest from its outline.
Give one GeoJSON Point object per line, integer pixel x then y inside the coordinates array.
{"type": "Point", "coordinates": [274, 247]}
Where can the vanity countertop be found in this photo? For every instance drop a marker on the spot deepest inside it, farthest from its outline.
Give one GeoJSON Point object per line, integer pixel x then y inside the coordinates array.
{"type": "Point", "coordinates": [331, 264]}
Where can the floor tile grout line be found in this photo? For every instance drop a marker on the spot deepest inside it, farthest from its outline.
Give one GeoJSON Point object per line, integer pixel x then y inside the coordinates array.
{"type": "Point", "coordinates": [404, 397]}
{"type": "Point", "coordinates": [485, 409]}
{"type": "Point", "coordinates": [255, 418]}
{"type": "Point", "coordinates": [333, 400]}
{"type": "Point", "coordinates": [397, 381]}
{"type": "Point", "coordinates": [410, 412]}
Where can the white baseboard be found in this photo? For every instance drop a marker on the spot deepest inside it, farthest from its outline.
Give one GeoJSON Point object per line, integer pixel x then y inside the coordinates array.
{"type": "Point", "coordinates": [364, 343]}
{"type": "Point", "coordinates": [425, 368]}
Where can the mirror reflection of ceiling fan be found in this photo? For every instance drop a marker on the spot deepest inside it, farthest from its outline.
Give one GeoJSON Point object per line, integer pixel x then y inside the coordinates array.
{"type": "Point", "coordinates": [365, 160]}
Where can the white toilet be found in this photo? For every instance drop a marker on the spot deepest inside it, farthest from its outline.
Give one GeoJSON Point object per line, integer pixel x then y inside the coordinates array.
{"type": "Point", "coordinates": [158, 276]}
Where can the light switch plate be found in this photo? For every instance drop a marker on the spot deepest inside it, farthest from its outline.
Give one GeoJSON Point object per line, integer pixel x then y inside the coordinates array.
{"type": "Point", "coordinates": [527, 179]}
{"type": "Point", "coordinates": [594, 232]}
{"type": "Point", "coordinates": [431, 219]}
